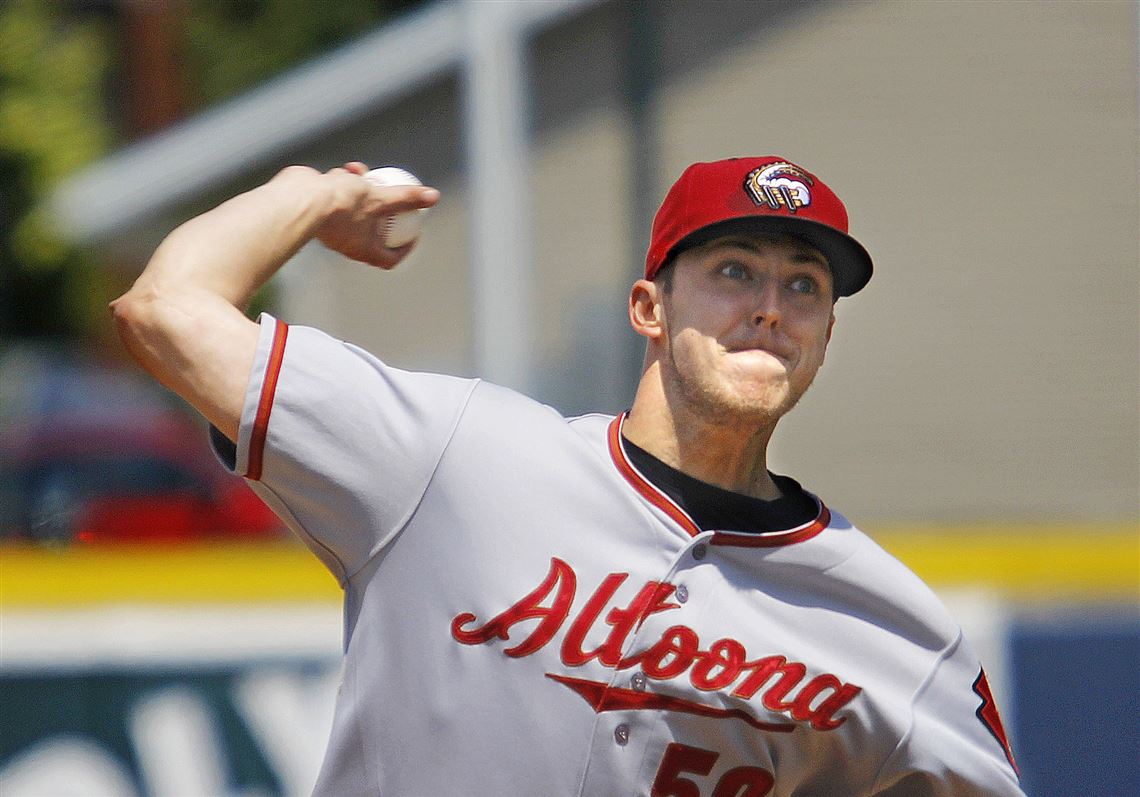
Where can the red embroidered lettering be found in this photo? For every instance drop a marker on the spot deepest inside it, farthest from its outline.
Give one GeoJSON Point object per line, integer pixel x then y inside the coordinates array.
{"type": "Point", "coordinates": [727, 655]}
{"type": "Point", "coordinates": [676, 651]}
{"type": "Point", "coordinates": [821, 715]}
{"type": "Point", "coordinates": [526, 609]}
{"type": "Point", "coordinates": [650, 600]}
{"type": "Point", "coordinates": [678, 645]}
{"type": "Point", "coordinates": [572, 653]}
{"type": "Point", "coordinates": [791, 673]}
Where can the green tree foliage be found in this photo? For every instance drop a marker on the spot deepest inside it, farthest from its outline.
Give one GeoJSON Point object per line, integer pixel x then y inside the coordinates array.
{"type": "Point", "coordinates": [52, 122]}
{"type": "Point", "coordinates": [57, 60]}
{"type": "Point", "coordinates": [232, 46]}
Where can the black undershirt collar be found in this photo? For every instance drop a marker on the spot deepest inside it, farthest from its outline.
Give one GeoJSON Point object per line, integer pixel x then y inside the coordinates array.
{"type": "Point", "coordinates": [714, 508]}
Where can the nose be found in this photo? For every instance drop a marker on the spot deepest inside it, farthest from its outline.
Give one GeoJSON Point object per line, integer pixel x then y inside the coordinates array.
{"type": "Point", "coordinates": [766, 312]}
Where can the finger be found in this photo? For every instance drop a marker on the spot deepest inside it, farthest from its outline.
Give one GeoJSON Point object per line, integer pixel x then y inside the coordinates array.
{"type": "Point", "coordinates": [388, 258]}
{"type": "Point", "coordinates": [356, 167]}
{"type": "Point", "coordinates": [406, 197]}
{"type": "Point", "coordinates": [398, 253]}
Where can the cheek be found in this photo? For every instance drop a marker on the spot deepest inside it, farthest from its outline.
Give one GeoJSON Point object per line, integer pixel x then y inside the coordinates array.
{"type": "Point", "coordinates": [712, 314]}
{"type": "Point", "coordinates": [813, 343]}
{"type": "Point", "coordinates": [689, 346]}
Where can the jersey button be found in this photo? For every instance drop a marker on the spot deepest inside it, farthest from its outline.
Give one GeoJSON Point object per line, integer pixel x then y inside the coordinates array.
{"type": "Point", "coordinates": [638, 681]}
{"type": "Point", "coordinates": [699, 551]}
{"type": "Point", "coordinates": [621, 734]}
{"type": "Point", "coordinates": [682, 593]}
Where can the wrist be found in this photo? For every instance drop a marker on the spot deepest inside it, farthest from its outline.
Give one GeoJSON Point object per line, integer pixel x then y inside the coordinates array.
{"type": "Point", "coordinates": [311, 194]}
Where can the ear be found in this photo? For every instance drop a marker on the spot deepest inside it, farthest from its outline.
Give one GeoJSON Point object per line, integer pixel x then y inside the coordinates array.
{"type": "Point", "coordinates": [646, 313]}
{"type": "Point", "coordinates": [827, 337]}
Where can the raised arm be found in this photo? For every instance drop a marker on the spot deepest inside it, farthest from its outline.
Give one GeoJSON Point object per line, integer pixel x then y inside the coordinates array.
{"type": "Point", "coordinates": [184, 320]}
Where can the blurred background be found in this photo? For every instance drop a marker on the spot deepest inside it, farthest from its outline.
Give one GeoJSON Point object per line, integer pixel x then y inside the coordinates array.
{"type": "Point", "coordinates": [979, 412]}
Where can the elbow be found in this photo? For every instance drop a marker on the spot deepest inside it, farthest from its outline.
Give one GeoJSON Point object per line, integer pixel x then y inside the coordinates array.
{"type": "Point", "coordinates": [128, 312]}
{"type": "Point", "coordinates": [137, 321]}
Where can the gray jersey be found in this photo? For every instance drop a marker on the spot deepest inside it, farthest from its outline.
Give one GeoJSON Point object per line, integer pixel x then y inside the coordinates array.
{"type": "Point", "coordinates": [527, 615]}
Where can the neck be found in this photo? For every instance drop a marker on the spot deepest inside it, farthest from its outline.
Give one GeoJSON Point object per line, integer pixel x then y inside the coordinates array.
{"type": "Point", "coordinates": [728, 451]}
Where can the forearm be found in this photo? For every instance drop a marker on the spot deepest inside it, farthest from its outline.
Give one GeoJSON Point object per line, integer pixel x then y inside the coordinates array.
{"type": "Point", "coordinates": [234, 249]}
{"type": "Point", "coordinates": [184, 318]}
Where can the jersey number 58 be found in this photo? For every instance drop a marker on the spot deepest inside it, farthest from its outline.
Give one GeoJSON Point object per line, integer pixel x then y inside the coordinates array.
{"type": "Point", "coordinates": [681, 759]}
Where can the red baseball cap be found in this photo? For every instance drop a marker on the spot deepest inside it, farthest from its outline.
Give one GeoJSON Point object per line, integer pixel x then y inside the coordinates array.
{"type": "Point", "coordinates": [755, 196]}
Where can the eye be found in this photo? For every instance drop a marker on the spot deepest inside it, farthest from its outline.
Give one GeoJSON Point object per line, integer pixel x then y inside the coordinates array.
{"type": "Point", "coordinates": [734, 270]}
{"type": "Point", "coordinates": [805, 285]}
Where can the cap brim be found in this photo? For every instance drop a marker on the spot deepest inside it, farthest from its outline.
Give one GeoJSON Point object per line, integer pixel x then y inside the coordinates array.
{"type": "Point", "coordinates": [849, 262]}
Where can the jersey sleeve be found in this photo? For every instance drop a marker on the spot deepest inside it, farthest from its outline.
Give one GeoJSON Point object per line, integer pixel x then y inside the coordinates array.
{"type": "Point", "coordinates": [339, 444]}
{"type": "Point", "coordinates": [956, 744]}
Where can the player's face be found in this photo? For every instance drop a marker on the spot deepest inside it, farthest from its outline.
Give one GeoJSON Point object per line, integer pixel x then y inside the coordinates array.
{"type": "Point", "coordinates": [747, 321]}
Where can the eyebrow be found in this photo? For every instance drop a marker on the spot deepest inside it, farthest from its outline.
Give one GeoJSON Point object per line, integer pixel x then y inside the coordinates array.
{"type": "Point", "coordinates": [804, 252]}
{"type": "Point", "coordinates": [810, 256]}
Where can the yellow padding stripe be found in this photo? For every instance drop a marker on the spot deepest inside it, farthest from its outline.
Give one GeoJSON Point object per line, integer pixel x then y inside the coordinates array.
{"type": "Point", "coordinates": [1090, 562]}
{"type": "Point", "coordinates": [214, 573]}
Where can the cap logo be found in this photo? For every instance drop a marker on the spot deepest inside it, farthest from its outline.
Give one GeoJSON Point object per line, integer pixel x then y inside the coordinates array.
{"type": "Point", "coordinates": [779, 185]}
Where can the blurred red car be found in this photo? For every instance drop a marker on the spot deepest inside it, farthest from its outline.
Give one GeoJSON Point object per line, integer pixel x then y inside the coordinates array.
{"type": "Point", "coordinates": [140, 478]}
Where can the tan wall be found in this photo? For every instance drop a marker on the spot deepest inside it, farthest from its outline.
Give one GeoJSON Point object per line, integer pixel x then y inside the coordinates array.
{"type": "Point", "coordinates": [987, 152]}
{"type": "Point", "coordinates": [416, 316]}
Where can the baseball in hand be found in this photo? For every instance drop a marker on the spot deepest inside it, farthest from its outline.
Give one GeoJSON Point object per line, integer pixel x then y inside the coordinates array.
{"type": "Point", "coordinates": [401, 228]}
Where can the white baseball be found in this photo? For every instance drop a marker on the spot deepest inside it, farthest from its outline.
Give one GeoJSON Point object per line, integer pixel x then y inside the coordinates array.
{"type": "Point", "coordinates": [401, 228]}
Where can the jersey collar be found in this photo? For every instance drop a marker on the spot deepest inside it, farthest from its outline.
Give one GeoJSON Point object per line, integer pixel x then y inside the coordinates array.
{"type": "Point", "coordinates": [659, 499]}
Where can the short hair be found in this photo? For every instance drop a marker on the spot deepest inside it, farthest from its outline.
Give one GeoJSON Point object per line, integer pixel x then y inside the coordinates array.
{"type": "Point", "coordinates": [664, 275]}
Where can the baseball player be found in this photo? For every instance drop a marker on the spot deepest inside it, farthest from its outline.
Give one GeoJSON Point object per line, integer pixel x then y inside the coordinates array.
{"type": "Point", "coordinates": [540, 605]}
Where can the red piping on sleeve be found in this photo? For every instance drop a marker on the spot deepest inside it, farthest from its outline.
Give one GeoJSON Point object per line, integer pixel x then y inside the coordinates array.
{"type": "Point", "coordinates": [265, 402]}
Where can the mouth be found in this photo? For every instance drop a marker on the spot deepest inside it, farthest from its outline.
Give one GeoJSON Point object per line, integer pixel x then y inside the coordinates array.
{"type": "Point", "coordinates": [761, 351]}
{"type": "Point", "coordinates": [759, 362]}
